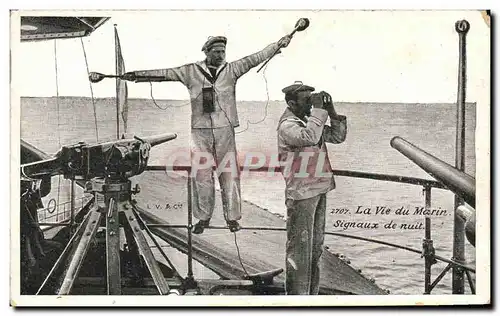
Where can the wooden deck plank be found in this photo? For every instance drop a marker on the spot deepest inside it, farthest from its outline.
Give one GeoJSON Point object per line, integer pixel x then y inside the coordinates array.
{"type": "Point", "coordinates": [260, 250]}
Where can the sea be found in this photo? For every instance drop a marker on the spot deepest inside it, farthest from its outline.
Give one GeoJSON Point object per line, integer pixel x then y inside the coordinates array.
{"type": "Point", "coordinates": [50, 123]}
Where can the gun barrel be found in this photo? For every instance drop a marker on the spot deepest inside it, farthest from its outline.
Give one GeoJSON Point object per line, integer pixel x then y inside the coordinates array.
{"type": "Point", "coordinates": [152, 140]}
{"type": "Point", "coordinates": [42, 168]}
{"type": "Point", "coordinates": [160, 139]}
{"type": "Point", "coordinates": [457, 181]}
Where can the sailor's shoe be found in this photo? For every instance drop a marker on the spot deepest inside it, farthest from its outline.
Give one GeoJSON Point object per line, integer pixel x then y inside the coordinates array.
{"type": "Point", "coordinates": [199, 227]}
{"type": "Point", "coordinates": [234, 226]}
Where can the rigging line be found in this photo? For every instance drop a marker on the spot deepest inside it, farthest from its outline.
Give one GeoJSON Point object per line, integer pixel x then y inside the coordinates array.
{"type": "Point", "coordinates": [91, 92]}
{"type": "Point", "coordinates": [239, 256]}
{"type": "Point", "coordinates": [266, 107]}
{"type": "Point", "coordinates": [58, 120]}
{"type": "Point", "coordinates": [57, 95]}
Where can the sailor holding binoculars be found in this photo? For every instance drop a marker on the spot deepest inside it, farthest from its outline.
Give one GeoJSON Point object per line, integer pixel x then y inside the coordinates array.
{"type": "Point", "coordinates": [212, 84]}
{"type": "Point", "coordinates": [302, 134]}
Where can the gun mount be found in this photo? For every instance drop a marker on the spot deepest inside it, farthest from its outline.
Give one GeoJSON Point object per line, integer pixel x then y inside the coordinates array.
{"type": "Point", "coordinates": [120, 159]}
{"type": "Point", "coordinates": [105, 169]}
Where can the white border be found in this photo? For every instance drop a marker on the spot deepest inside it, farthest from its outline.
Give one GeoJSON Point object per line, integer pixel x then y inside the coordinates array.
{"type": "Point", "coordinates": [483, 284]}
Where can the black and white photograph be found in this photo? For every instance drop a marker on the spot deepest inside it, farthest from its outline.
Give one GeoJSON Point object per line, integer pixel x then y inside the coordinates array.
{"type": "Point", "coordinates": [250, 157]}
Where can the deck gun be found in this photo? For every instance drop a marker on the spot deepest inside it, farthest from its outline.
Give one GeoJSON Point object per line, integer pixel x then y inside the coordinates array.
{"type": "Point", "coordinates": [104, 169]}
{"type": "Point", "coordinates": [122, 159]}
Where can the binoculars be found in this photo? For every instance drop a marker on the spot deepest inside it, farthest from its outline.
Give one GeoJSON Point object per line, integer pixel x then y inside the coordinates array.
{"type": "Point", "coordinates": [320, 99]}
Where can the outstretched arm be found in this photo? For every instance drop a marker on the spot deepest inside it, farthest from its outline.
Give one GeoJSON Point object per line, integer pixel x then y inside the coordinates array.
{"type": "Point", "coordinates": [168, 74]}
{"type": "Point", "coordinates": [243, 65]}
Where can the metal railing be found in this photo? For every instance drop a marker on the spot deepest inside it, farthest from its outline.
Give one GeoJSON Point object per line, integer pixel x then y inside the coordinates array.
{"type": "Point", "coordinates": [460, 183]}
{"type": "Point", "coordinates": [427, 252]}
{"type": "Point", "coordinates": [57, 213]}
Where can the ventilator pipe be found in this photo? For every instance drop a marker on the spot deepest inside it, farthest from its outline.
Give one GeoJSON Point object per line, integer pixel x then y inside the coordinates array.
{"type": "Point", "coordinates": [468, 215]}
{"type": "Point", "coordinates": [457, 181]}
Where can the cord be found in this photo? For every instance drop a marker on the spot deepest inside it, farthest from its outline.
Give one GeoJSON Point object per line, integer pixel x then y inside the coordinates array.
{"type": "Point", "coordinates": [220, 107]}
{"type": "Point", "coordinates": [215, 154]}
{"type": "Point", "coordinates": [217, 100]}
{"type": "Point", "coordinates": [58, 123]}
{"type": "Point", "coordinates": [91, 92]}
{"type": "Point", "coordinates": [239, 256]}
{"type": "Point", "coordinates": [266, 107]}
{"type": "Point", "coordinates": [215, 150]}
{"type": "Point", "coordinates": [215, 158]}
{"type": "Point", "coordinates": [170, 105]}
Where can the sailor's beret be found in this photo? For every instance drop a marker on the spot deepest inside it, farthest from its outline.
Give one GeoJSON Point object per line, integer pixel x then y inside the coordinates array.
{"type": "Point", "coordinates": [214, 41]}
{"type": "Point", "coordinates": [297, 86]}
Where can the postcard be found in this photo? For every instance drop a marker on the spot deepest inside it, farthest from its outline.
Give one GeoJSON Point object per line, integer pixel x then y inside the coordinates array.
{"type": "Point", "coordinates": [250, 158]}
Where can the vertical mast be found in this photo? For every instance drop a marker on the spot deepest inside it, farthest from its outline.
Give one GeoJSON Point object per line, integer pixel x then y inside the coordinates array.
{"type": "Point", "coordinates": [462, 27]}
{"type": "Point", "coordinates": [117, 85]}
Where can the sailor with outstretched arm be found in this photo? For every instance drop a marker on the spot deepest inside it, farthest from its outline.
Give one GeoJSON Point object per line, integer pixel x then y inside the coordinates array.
{"type": "Point", "coordinates": [212, 85]}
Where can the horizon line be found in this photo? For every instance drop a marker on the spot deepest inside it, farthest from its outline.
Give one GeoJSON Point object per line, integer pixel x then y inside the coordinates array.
{"type": "Point", "coordinates": [184, 100]}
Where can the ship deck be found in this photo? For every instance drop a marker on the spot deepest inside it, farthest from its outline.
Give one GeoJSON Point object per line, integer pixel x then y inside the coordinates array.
{"type": "Point", "coordinates": [164, 200]}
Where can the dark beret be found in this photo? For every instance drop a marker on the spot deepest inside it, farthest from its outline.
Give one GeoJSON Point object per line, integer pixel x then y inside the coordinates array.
{"type": "Point", "coordinates": [213, 40]}
{"type": "Point", "coordinates": [298, 86]}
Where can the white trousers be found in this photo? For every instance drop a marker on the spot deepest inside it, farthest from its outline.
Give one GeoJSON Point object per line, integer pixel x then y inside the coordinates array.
{"type": "Point", "coordinates": [217, 145]}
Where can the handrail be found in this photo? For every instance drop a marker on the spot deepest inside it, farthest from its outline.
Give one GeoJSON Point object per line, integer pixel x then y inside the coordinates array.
{"type": "Point", "coordinates": [457, 181]}
{"type": "Point", "coordinates": [337, 172]}
{"type": "Point", "coordinates": [427, 185]}
{"type": "Point", "coordinates": [56, 214]}
{"type": "Point", "coordinates": [263, 228]}
{"type": "Point", "coordinates": [46, 209]}
{"type": "Point", "coordinates": [45, 226]}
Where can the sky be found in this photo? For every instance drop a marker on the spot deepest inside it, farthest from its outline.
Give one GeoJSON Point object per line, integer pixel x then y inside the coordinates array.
{"type": "Point", "coordinates": [357, 56]}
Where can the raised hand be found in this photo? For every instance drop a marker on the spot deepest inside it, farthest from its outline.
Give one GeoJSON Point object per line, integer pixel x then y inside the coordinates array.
{"type": "Point", "coordinates": [284, 41]}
